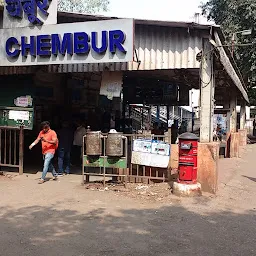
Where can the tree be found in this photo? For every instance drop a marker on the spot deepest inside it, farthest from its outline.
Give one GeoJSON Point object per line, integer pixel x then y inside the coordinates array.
{"type": "Point", "coordinates": [83, 6]}
{"type": "Point", "coordinates": [235, 16]}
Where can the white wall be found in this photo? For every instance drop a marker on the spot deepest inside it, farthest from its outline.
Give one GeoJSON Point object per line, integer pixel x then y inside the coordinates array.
{"type": "Point", "coordinates": [1, 19]}
{"type": "Point", "coordinates": [248, 111]}
{"type": "Point", "coordinates": [194, 98]}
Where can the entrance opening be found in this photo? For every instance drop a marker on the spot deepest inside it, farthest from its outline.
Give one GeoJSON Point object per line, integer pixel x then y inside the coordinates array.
{"type": "Point", "coordinates": [56, 98]}
{"type": "Point", "coordinates": [75, 97]}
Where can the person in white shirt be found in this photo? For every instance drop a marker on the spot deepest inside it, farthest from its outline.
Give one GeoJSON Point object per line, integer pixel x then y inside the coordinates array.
{"type": "Point", "coordinates": [78, 142]}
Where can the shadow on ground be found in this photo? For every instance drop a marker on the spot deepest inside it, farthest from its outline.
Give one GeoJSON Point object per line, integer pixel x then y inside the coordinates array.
{"type": "Point", "coordinates": [166, 231]}
{"type": "Point", "coordinates": [250, 178]}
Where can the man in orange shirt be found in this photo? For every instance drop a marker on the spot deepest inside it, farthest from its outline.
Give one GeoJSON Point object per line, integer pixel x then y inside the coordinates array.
{"type": "Point", "coordinates": [49, 141]}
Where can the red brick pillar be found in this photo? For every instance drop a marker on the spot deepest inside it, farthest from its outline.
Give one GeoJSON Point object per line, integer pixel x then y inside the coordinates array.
{"type": "Point", "coordinates": [208, 157]}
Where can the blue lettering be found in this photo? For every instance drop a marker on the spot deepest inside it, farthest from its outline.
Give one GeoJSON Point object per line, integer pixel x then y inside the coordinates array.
{"type": "Point", "coordinates": [70, 43]}
{"type": "Point", "coordinates": [104, 43]}
{"type": "Point", "coordinates": [30, 9]}
{"type": "Point", "coordinates": [43, 6]}
{"type": "Point", "coordinates": [66, 46]}
{"type": "Point", "coordinates": [28, 47]}
{"type": "Point", "coordinates": [116, 40]}
{"type": "Point", "coordinates": [43, 45]}
{"type": "Point", "coordinates": [11, 43]}
{"type": "Point", "coordinates": [14, 8]}
{"type": "Point", "coordinates": [81, 43]}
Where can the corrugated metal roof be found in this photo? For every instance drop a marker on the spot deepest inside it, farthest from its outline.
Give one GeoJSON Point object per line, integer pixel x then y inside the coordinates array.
{"type": "Point", "coordinates": [177, 24]}
{"type": "Point", "coordinates": [158, 44]}
{"type": "Point", "coordinates": [165, 48]}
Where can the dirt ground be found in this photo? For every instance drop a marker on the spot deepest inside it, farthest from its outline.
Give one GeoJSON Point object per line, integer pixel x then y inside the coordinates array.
{"type": "Point", "coordinates": [64, 218]}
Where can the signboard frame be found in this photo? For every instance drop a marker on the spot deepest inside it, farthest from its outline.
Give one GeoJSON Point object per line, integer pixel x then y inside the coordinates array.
{"type": "Point", "coordinates": [148, 155]}
{"type": "Point", "coordinates": [107, 41]}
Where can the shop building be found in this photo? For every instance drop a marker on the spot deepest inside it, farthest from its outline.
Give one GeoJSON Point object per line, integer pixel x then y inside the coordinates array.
{"type": "Point", "coordinates": [85, 63]}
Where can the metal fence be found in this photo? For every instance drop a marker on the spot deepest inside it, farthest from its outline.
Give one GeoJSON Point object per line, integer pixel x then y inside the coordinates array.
{"type": "Point", "coordinates": [11, 147]}
{"type": "Point", "coordinates": [141, 173]}
{"type": "Point", "coordinates": [134, 173]}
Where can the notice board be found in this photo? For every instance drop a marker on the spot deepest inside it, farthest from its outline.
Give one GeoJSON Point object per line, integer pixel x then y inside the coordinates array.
{"type": "Point", "coordinates": [151, 153]}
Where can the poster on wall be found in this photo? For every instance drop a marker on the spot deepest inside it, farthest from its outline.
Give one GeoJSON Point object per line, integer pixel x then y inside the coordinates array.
{"type": "Point", "coordinates": [143, 146]}
{"type": "Point", "coordinates": [151, 153]}
{"type": "Point", "coordinates": [220, 122]}
{"type": "Point", "coordinates": [19, 115]}
{"type": "Point", "coordinates": [23, 101]}
{"type": "Point", "coordinates": [111, 84]}
{"type": "Point", "coordinates": [160, 148]}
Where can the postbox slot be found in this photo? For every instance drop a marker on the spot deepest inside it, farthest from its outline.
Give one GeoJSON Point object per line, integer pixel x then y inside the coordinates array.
{"type": "Point", "coordinates": [186, 164]}
{"type": "Point", "coordinates": [186, 146]}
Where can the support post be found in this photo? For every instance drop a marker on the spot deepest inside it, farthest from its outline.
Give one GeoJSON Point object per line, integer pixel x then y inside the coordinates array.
{"type": "Point", "coordinates": [142, 117]}
{"type": "Point", "coordinates": [158, 113]}
{"type": "Point", "coordinates": [21, 150]}
{"type": "Point", "coordinates": [169, 128]}
{"type": "Point", "coordinates": [242, 114]}
{"type": "Point", "coordinates": [233, 113]}
{"type": "Point", "coordinates": [150, 118]}
{"type": "Point", "coordinates": [193, 120]}
{"type": "Point", "coordinates": [207, 89]}
{"type": "Point", "coordinates": [167, 113]}
{"type": "Point", "coordinates": [227, 106]}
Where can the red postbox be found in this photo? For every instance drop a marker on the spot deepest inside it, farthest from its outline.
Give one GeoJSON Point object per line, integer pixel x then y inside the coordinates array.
{"type": "Point", "coordinates": [188, 145]}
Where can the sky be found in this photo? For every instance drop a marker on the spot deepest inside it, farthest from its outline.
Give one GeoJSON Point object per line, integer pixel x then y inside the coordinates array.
{"type": "Point", "coordinates": [169, 10]}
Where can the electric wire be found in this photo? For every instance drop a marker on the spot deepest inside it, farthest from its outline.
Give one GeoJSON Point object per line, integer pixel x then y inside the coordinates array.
{"type": "Point", "coordinates": [211, 52]}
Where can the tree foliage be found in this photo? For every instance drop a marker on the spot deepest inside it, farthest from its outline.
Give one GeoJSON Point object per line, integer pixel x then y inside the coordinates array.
{"type": "Point", "coordinates": [235, 16]}
{"type": "Point", "coordinates": [83, 6]}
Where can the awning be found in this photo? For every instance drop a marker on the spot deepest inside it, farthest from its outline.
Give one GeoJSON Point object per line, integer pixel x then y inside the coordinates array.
{"type": "Point", "coordinates": [229, 68]}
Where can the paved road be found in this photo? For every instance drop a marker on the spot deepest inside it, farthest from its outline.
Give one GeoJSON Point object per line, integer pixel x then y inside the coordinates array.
{"type": "Point", "coordinates": [61, 218]}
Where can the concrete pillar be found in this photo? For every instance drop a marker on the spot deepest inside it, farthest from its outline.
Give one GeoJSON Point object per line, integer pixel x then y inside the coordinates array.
{"type": "Point", "coordinates": [158, 113]}
{"type": "Point", "coordinates": [149, 118]}
{"type": "Point", "coordinates": [233, 112]}
{"type": "Point", "coordinates": [242, 115]}
{"type": "Point", "coordinates": [168, 112]}
{"type": "Point", "coordinates": [207, 89]}
{"type": "Point", "coordinates": [227, 106]}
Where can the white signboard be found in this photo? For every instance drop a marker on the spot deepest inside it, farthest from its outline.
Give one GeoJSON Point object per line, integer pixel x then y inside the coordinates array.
{"type": "Point", "coordinates": [141, 158]}
{"type": "Point", "coordinates": [160, 148]}
{"type": "Point", "coordinates": [170, 123]}
{"type": "Point", "coordinates": [148, 159]}
{"type": "Point", "coordinates": [150, 153]}
{"type": "Point", "coordinates": [70, 43]}
{"type": "Point", "coordinates": [19, 115]}
{"type": "Point", "coordinates": [142, 146]}
{"type": "Point", "coordinates": [111, 84]}
{"type": "Point", "coordinates": [23, 101]}
{"type": "Point", "coordinates": [159, 161]}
